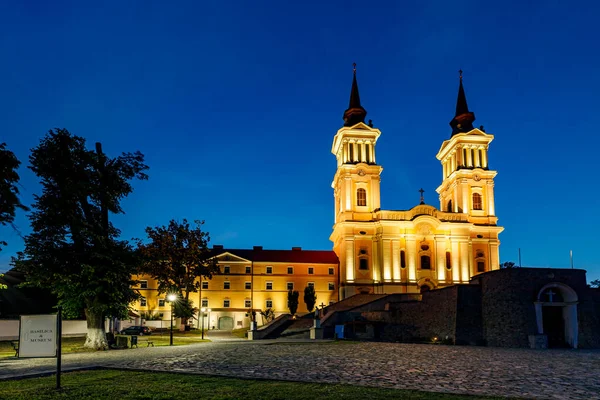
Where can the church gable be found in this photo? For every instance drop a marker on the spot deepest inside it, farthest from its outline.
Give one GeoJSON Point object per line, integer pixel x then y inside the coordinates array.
{"type": "Point", "coordinates": [230, 258]}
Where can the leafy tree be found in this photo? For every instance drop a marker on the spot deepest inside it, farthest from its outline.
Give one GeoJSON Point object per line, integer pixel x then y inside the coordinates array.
{"type": "Point", "coordinates": [310, 297]}
{"type": "Point", "coordinates": [74, 249]}
{"type": "Point", "coordinates": [176, 256]}
{"type": "Point", "coordinates": [293, 301]}
{"type": "Point", "coordinates": [9, 192]}
{"type": "Point", "coordinates": [508, 264]}
{"type": "Point", "coordinates": [595, 283]}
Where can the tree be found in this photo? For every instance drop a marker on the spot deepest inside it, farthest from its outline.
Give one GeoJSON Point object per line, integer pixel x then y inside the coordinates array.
{"type": "Point", "coordinates": [310, 298]}
{"type": "Point", "coordinates": [508, 264]}
{"type": "Point", "coordinates": [176, 256]}
{"type": "Point", "coordinates": [9, 192]}
{"type": "Point", "coordinates": [293, 301]}
{"type": "Point", "coordinates": [74, 249]}
{"type": "Point", "coordinates": [595, 283]}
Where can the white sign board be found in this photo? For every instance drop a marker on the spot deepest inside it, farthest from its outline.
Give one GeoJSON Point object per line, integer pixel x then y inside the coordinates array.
{"type": "Point", "coordinates": [37, 336]}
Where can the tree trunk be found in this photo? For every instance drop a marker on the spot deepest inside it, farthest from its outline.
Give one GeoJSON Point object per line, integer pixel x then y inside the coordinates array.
{"type": "Point", "coordinates": [96, 335]}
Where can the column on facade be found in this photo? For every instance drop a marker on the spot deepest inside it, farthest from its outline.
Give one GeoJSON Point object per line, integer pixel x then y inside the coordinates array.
{"type": "Point", "coordinates": [387, 261]}
{"type": "Point", "coordinates": [440, 244]}
{"type": "Point", "coordinates": [490, 197]}
{"type": "Point", "coordinates": [494, 255]}
{"type": "Point", "coordinates": [345, 152]}
{"type": "Point", "coordinates": [459, 159]}
{"type": "Point", "coordinates": [477, 160]}
{"type": "Point", "coordinates": [348, 190]}
{"type": "Point", "coordinates": [464, 261]}
{"type": "Point", "coordinates": [350, 260]}
{"type": "Point", "coordinates": [455, 260]}
{"type": "Point", "coordinates": [372, 149]}
{"type": "Point", "coordinates": [470, 258]}
{"type": "Point", "coordinates": [396, 261]}
{"type": "Point", "coordinates": [465, 198]}
{"type": "Point", "coordinates": [469, 157]}
{"type": "Point", "coordinates": [455, 196]}
{"type": "Point", "coordinates": [363, 152]}
{"type": "Point", "coordinates": [375, 263]}
{"type": "Point", "coordinates": [444, 171]}
{"type": "Point", "coordinates": [484, 162]}
{"type": "Point", "coordinates": [411, 258]}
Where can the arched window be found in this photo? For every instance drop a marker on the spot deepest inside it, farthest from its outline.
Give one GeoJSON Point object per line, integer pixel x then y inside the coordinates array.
{"type": "Point", "coordinates": [476, 201]}
{"type": "Point", "coordinates": [480, 266]}
{"type": "Point", "coordinates": [425, 262]}
{"type": "Point", "coordinates": [361, 197]}
{"type": "Point", "coordinates": [448, 260]}
{"type": "Point", "coordinates": [402, 259]}
{"type": "Point", "coordinates": [363, 264]}
{"type": "Point", "coordinates": [449, 205]}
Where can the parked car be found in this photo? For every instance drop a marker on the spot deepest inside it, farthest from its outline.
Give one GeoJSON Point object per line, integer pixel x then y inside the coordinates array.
{"type": "Point", "coordinates": [136, 330]}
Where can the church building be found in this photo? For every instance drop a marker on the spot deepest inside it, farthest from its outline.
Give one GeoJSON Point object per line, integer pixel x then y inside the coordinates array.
{"type": "Point", "coordinates": [423, 248]}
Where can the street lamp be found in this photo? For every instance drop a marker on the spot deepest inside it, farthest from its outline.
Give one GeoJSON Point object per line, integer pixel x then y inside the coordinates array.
{"type": "Point", "coordinates": [171, 298]}
{"type": "Point", "coordinates": [203, 310]}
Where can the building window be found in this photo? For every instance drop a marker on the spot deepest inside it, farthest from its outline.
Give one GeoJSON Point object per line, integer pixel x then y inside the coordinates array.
{"type": "Point", "coordinates": [247, 303]}
{"type": "Point", "coordinates": [476, 201]}
{"type": "Point", "coordinates": [269, 303]}
{"type": "Point", "coordinates": [269, 270]}
{"type": "Point", "coordinates": [226, 303]}
{"type": "Point", "coordinates": [248, 270]}
{"type": "Point", "coordinates": [312, 284]}
{"type": "Point", "coordinates": [269, 286]}
{"type": "Point", "coordinates": [227, 270]}
{"type": "Point", "coordinates": [425, 262]}
{"type": "Point", "coordinates": [311, 270]}
{"type": "Point", "coordinates": [226, 285]}
{"type": "Point", "coordinates": [480, 266]}
{"type": "Point", "coordinates": [204, 302]}
{"type": "Point", "coordinates": [143, 284]}
{"type": "Point", "coordinates": [205, 285]}
{"type": "Point", "coordinates": [402, 259]}
{"type": "Point", "coordinates": [361, 197]}
{"type": "Point", "coordinates": [363, 264]}
{"type": "Point", "coordinates": [449, 205]}
{"type": "Point", "coordinates": [161, 302]}
{"type": "Point", "coordinates": [248, 285]}
{"type": "Point", "coordinates": [290, 270]}
{"type": "Point", "coordinates": [331, 286]}
{"type": "Point", "coordinates": [448, 260]}
{"type": "Point", "coordinates": [290, 286]}
{"type": "Point", "coordinates": [331, 271]}
{"type": "Point", "coordinates": [143, 302]}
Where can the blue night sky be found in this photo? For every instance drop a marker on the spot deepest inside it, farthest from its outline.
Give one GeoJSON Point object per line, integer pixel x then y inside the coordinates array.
{"type": "Point", "coordinates": [235, 108]}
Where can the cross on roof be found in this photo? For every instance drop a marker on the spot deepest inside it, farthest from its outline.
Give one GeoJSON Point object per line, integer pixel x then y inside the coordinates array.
{"type": "Point", "coordinates": [422, 198]}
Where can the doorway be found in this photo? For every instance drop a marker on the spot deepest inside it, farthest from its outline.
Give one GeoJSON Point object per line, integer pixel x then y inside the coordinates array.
{"type": "Point", "coordinates": [554, 326]}
{"type": "Point", "coordinates": [226, 323]}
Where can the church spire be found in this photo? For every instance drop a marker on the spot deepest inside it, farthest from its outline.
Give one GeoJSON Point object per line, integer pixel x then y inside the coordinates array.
{"type": "Point", "coordinates": [355, 112]}
{"type": "Point", "coordinates": [463, 120]}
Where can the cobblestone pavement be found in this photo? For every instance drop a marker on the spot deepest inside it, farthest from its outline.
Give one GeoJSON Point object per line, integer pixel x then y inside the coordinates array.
{"type": "Point", "coordinates": [539, 374]}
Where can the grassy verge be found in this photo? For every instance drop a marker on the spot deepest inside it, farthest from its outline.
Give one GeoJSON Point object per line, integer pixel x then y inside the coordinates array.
{"type": "Point", "coordinates": [241, 333]}
{"type": "Point", "coordinates": [125, 385]}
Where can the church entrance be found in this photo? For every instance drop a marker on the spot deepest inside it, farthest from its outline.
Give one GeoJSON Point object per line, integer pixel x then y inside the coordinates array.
{"type": "Point", "coordinates": [554, 326]}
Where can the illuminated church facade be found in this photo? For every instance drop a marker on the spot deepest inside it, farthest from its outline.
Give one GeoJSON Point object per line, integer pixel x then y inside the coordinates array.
{"type": "Point", "coordinates": [423, 248]}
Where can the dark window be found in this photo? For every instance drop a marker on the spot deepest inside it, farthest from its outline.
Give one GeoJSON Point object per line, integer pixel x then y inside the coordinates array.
{"type": "Point", "coordinates": [363, 263]}
{"type": "Point", "coordinates": [226, 269]}
{"type": "Point", "coordinates": [425, 262]}
{"type": "Point", "coordinates": [331, 286]}
{"type": "Point", "coordinates": [226, 285]}
{"type": "Point", "coordinates": [269, 286]}
{"type": "Point", "coordinates": [247, 303]}
{"type": "Point", "coordinates": [143, 284]}
{"type": "Point", "coordinates": [450, 206]}
{"type": "Point", "coordinates": [226, 303]}
{"type": "Point", "coordinates": [448, 260]}
{"type": "Point", "coordinates": [248, 285]}
{"type": "Point", "coordinates": [361, 197]}
{"type": "Point", "coordinates": [204, 285]}
{"type": "Point", "coordinates": [311, 270]}
{"type": "Point", "coordinates": [248, 270]}
{"type": "Point", "coordinates": [402, 259]}
{"type": "Point", "coordinates": [331, 271]}
{"type": "Point", "coordinates": [476, 201]}
{"type": "Point", "coordinates": [290, 270]}
{"type": "Point", "coordinates": [480, 266]}
{"type": "Point", "coordinates": [161, 302]}
{"type": "Point", "coordinates": [425, 288]}
{"type": "Point", "coordinates": [269, 303]}
{"type": "Point", "coordinates": [204, 302]}
{"type": "Point", "coordinates": [269, 270]}
{"type": "Point", "coordinates": [143, 302]}
{"type": "Point", "coordinates": [311, 284]}
{"type": "Point", "coordinates": [290, 286]}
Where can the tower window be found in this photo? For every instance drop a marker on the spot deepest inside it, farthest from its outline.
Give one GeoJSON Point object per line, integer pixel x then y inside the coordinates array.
{"type": "Point", "coordinates": [361, 197]}
{"type": "Point", "coordinates": [480, 266]}
{"type": "Point", "coordinates": [449, 205]}
{"type": "Point", "coordinates": [476, 201]}
{"type": "Point", "coordinates": [363, 264]}
{"type": "Point", "coordinates": [402, 259]}
{"type": "Point", "coordinates": [448, 260]}
{"type": "Point", "coordinates": [425, 262]}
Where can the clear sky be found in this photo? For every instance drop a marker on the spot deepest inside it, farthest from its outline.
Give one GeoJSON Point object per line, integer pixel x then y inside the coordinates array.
{"type": "Point", "coordinates": [235, 105]}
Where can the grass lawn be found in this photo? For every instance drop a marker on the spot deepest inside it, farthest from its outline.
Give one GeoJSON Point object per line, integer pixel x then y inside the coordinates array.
{"type": "Point", "coordinates": [124, 385]}
{"type": "Point", "coordinates": [75, 344]}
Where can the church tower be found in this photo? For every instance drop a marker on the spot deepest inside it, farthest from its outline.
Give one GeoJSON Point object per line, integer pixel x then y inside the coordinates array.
{"type": "Point", "coordinates": [467, 182]}
{"type": "Point", "coordinates": [356, 190]}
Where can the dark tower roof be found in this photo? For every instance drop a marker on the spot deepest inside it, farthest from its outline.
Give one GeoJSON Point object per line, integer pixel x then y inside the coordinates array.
{"type": "Point", "coordinates": [463, 120]}
{"type": "Point", "coordinates": [355, 112]}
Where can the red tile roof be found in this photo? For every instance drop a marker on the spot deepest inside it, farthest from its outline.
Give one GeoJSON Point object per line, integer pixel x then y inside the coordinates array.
{"type": "Point", "coordinates": [283, 256]}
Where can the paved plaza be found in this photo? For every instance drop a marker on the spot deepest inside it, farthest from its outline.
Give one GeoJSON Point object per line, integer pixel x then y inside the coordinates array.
{"type": "Point", "coordinates": [539, 374]}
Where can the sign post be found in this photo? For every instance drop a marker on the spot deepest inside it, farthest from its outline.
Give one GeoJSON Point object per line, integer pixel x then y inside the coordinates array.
{"type": "Point", "coordinates": [58, 345]}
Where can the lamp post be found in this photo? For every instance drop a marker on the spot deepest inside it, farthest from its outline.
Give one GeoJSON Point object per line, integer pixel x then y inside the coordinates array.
{"type": "Point", "coordinates": [171, 297]}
